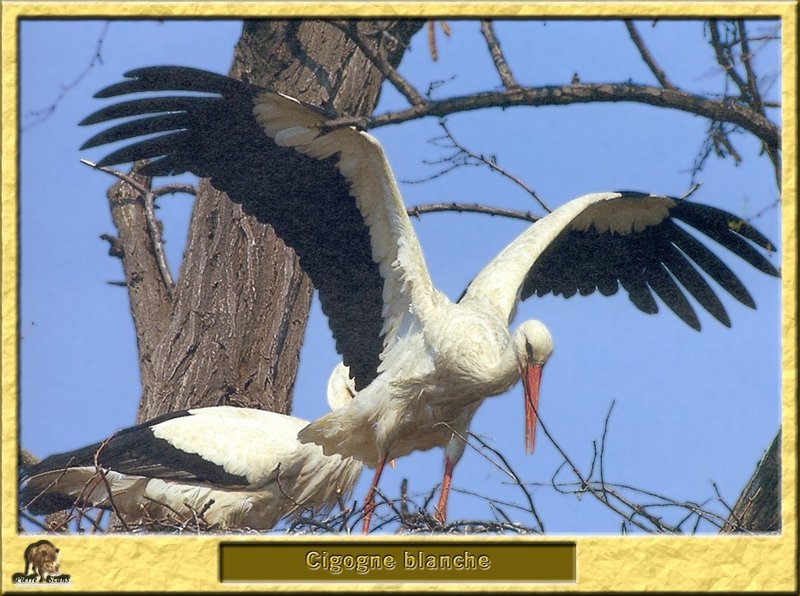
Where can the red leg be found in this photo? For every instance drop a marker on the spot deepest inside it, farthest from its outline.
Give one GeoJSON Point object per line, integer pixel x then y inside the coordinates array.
{"type": "Point", "coordinates": [441, 511]}
{"type": "Point", "coordinates": [369, 500]}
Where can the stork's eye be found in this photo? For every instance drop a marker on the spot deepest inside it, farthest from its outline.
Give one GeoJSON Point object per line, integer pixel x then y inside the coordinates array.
{"type": "Point", "coordinates": [529, 350]}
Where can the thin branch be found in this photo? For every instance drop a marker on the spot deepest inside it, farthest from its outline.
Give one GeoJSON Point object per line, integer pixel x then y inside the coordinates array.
{"type": "Point", "coordinates": [107, 484]}
{"type": "Point", "coordinates": [36, 522]}
{"type": "Point", "coordinates": [49, 486]}
{"type": "Point", "coordinates": [152, 223]}
{"type": "Point", "coordinates": [97, 58]}
{"type": "Point", "coordinates": [171, 189]}
{"type": "Point", "coordinates": [471, 208]}
{"type": "Point", "coordinates": [646, 56]}
{"type": "Point", "coordinates": [692, 189]}
{"type": "Point", "coordinates": [723, 60]}
{"type": "Point", "coordinates": [603, 445]}
{"type": "Point", "coordinates": [432, 37]}
{"type": "Point", "coordinates": [466, 155]}
{"type": "Point", "coordinates": [776, 203]}
{"type": "Point", "coordinates": [350, 28]}
{"type": "Point", "coordinates": [487, 29]}
{"type": "Point", "coordinates": [510, 471]}
{"type": "Point", "coordinates": [752, 82]}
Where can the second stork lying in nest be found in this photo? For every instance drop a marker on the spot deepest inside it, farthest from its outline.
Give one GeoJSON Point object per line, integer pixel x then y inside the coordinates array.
{"type": "Point", "coordinates": [234, 468]}
{"type": "Point", "coordinates": [421, 363]}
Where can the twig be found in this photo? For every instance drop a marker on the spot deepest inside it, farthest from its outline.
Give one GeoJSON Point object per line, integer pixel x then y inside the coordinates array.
{"type": "Point", "coordinates": [97, 58]}
{"type": "Point", "coordinates": [692, 189]}
{"type": "Point", "coordinates": [432, 37]}
{"type": "Point", "coordinates": [169, 189]}
{"type": "Point", "coordinates": [50, 485]}
{"type": "Point", "coordinates": [419, 210]}
{"type": "Point", "coordinates": [27, 516]}
{"type": "Point", "coordinates": [764, 210]}
{"type": "Point", "coordinates": [752, 82]}
{"type": "Point", "coordinates": [152, 224]}
{"type": "Point", "coordinates": [603, 444]}
{"type": "Point", "coordinates": [509, 470]}
{"type": "Point", "coordinates": [646, 56]}
{"type": "Point", "coordinates": [107, 484]}
{"type": "Point", "coordinates": [723, 60]}
{"type": "Point", "coordinates": [487, 29]}
{"type": "Point", "coordinates": [463, 156]}
{"type": "Point", "coordinates": [350, 28]}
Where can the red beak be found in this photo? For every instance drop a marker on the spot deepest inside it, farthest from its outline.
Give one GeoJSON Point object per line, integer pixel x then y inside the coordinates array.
{"type": "Point", "coordinates": [531, 376]}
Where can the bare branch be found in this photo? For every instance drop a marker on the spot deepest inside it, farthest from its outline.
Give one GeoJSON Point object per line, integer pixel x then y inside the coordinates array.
{"type": "Point", "coordinates": [487, 29]}
{"type": "Point", "coordinates": [603, 445]}
{"type": "Point", "coordinates": [171, 189]}
{"type": "Point", "coordinates": [99, 470]}
{"type": "Point", "coordinates": [724, 61]}
{"type": "Point", "coordinates": [646, 56]}
{"type": "Point", "coordinates": [471, 208]}
{"type": "Point", "coordinates": [152, 223]}
{"type": "Point", "coordinates": [34, 521]}
{"type": "Point", "coordinates": [715, 110]}
{"type": "Point", "coordinates": [510, 471]}
{"type": "Point", "coordinates": [350, 28]}
{"type": "Point", "coordinates": [432, 37]}
{"type": "Point", "coordinates": [752, 82]}
{"type": "Point", "coordinates": [692, 189]}
{"type": "Point", "coordinates": [48, 487]}
{"type": "Point", "coordinates": [465, 156]}
{"type": "Point", "coordinates": [97, 58]}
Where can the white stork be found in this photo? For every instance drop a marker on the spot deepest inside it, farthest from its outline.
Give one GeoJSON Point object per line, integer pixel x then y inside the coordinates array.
{"type": "Point", "coordinates": [239, 467]}
{"type": "Point", "coordinates": [421, 363]}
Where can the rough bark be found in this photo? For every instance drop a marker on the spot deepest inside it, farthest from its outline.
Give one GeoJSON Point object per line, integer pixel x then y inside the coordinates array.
{"type": "Point", "coordinates": [230, 330]}
{"type": "Point", "coordinates": [758, 508]}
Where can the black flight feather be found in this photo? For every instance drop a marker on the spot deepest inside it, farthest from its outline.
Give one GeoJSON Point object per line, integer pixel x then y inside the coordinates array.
{"type": "Point", "coordinates": [663, 257]}
{"type": "Point", "coordinates": [306, 201]}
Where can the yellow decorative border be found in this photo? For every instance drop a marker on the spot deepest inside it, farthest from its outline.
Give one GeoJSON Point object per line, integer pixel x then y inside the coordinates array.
{"type": "Point", "coordinates": [604, 563]}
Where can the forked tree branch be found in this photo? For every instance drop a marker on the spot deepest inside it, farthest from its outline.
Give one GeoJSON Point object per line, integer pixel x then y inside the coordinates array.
{"type": "Point", "coordinates": [350, 28]}
{"type": "Point", "coordinates": [646, 56]}
{"type": "Point", "coordinates": [500, 63]}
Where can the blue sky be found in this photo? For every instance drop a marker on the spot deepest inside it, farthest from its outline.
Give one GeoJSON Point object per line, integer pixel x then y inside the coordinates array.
{"type": "Point", "coordinates": [691, 408]}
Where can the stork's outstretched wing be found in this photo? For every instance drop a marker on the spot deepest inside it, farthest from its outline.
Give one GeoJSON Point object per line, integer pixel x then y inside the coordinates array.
{"type": "Point", "coordinates": [329, 194]}
{"type": "Point", "coordinates": [602, 241]}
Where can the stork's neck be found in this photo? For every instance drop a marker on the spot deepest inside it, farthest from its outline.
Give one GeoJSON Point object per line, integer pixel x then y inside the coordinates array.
{"type": "Point", "coordinates": [505, 373]}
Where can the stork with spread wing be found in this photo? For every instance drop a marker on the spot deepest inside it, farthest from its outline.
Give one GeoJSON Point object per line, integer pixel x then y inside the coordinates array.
{"type": "Point", "coordinates": [421, 364]}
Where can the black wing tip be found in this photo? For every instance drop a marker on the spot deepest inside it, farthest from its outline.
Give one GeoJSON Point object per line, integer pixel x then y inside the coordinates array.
{"type": "Point", "coordinates": [694, 324]}
{"type": "Point", "coordinates": [89, 120]}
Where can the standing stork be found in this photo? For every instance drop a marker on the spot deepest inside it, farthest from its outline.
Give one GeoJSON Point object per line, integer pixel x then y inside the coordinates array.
{"type": "Point", "coordinates": [238, 467]}
{"type": "Point", "coordinates": [421, 364]}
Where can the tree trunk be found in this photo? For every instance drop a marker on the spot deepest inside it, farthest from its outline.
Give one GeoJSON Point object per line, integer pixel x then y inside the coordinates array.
{"type": "Point", "coordinates": [758, 508]}
{"type": "Point", "coordinates": [230, 330]}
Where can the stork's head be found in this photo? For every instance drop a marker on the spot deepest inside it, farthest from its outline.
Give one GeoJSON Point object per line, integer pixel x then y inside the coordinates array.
{"type": "Point", "coordinates": [533, 345]}
{"type": "Point", "coordinates": [341, 388]}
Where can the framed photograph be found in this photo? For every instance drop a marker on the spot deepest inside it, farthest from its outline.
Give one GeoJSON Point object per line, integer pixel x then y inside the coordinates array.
{"type": "Point", "coordinates": [311, 297]}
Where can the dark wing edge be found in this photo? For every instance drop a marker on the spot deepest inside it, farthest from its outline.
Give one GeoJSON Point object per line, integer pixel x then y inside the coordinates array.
{"type": "Point", "coordinates": [306, 201]}
{"type": "Point", "coordinates": [663, 258]}
{"type": "Point", "coordinates": [136, 451]}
